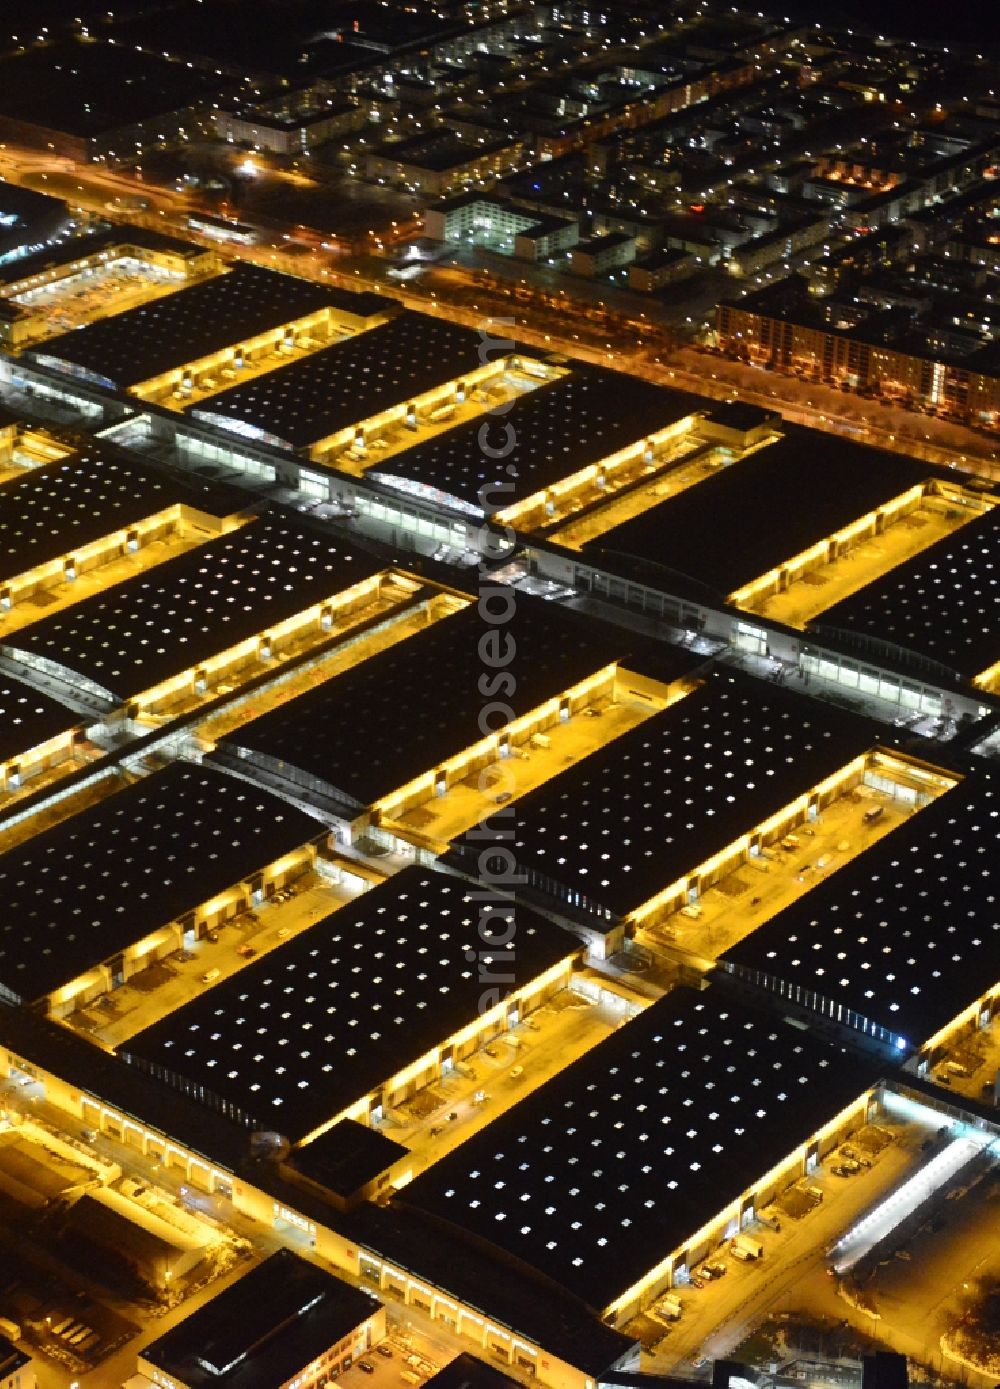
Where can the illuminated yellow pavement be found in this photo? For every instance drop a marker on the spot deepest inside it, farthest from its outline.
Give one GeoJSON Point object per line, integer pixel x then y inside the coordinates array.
{"type": "Point", "coordinates": [811, 595]}
{"type": "Point", "coordinates": [748, 897]}
{"type": "Point", "coordinates": [576, 533]}
{"type": "Point", "coordinates": [466, 802]}
{"type": "Point", "coordinates": [47, 601]}
{"type": "Point", "coordinates": [325, 667]}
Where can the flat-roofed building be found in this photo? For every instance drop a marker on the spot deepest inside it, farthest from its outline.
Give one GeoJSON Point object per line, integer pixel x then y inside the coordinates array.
{"type": "Point", "coordinates": [285, 1323]}
{"type": "Point", "coordinates": [792, 524]}
{"type": "Point", "coordinates": [355, 1015]}
{"type": "Point", "coordinates": [36, 732]}
{"type": "Point", "coordinates": [118, 886]}
{"type": "Point", "coordinates": [754, 517]}
{"type": "Point", "coordinates": [943, 605]}
{"type": "Point", "coordinates": [469, 1372]}
{"type": "Point", "coordinates": [661, 268]}
{"type": "Point", "coordinates": [29, 221]}
{"type": "Point", "coordinates": [15, 1367]}
{"type": "Point", "coordinates": [233, 604]}
{"type": "Point", "coordinates": [649, 822]}
{"type": "Point", "coordinates": [283, 127]}
{"type": "Point", "coordinates": [527, 1321]}
{"type": "Point", "coordinates": [348, 1163]}
{"type": "Point", "coordinates": [98, 271]}
{"type": "Point", "coordinates": [600, 255]}
{"type": "Point", "coordinates": [440, 162]}
{"type": "Point", "coordinates": [87, 100]}
{"type": "Point", "coordinates": [65, 519]}
{"type": "Point", "coordinates": [900, 949]}
{"type": "Point", "coordinates": [580, 430]}
{"type": "Point", "coordinates": [499, 225]}
{"type": "Point", "coordinates": [178, 341]}
{"type": "Point", "coordinates": [617, 1175]}
{"type": "Point", "coordinates": [416, 727]}
{"type": "Point", "coordinates": [138, 1246]}
{"type": "Point", "coordinates": [308, 404]}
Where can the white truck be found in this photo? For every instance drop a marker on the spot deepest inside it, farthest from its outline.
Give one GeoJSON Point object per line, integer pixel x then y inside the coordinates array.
{"type": "Point", "coordinates": [670, 1307]}
{"type": "Point", "coordinates": [745, 1248]}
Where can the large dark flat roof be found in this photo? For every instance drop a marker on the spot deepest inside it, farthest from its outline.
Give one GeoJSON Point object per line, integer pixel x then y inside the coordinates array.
{"type": "Point", "coordinates": [60, 507]}
{"type": "Point", "coordinates": [26, 204]}
{"type": "Point", "coordinates": [627, 821]}
{"type": "Point", "coordinates": [263, 1329]}
{"type": "Point", "coordinates": [78, 893]}
{"type": "Point", "coordinates": [469, 1372]}
{"type": "Point", "coordinates": [315, 396]}
{"type": "Point", "coordinates": [181, 327]}
{"type": "Point", "coordinates": [171, 617]}
{"type": "Point", "coordinates": [416, 704]}
{"type": "Point", "coordinates": [319, 1022]}
{"type": "Point", "coordinates": [28, 718]}
{"type": "Point", "coordinates": [747, 518]}
{"type": "Point", "coordinates": [558, 428]}
{"type": "Point", "coordinates": [908, 933]}
{"type": "Point", "coordinates": [621, 1157]}
{"type": "Point", "coordinates": [346, 1157]}
{"type": "Point", "coordinates": [943, 604]}
{"type": "Point", "coordinates": [497, 1287]}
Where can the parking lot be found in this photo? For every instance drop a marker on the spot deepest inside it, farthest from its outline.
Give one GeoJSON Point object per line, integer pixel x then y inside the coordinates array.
{"type": "Point", "coordinates": [971, 1064]}
{"type": "Point", "coordinates": [407, 1356]}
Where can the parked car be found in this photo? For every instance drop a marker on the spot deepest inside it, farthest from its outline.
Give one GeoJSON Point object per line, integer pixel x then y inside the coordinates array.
{"type": "Point", "coordinates": [384, 1351]}
{"type": "Point", "coordinates": [366, 1366]}
{"type": "Point", "coordinates": [715, 1270]}
{"type": "Point", "coordinates": [855, 1156]}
